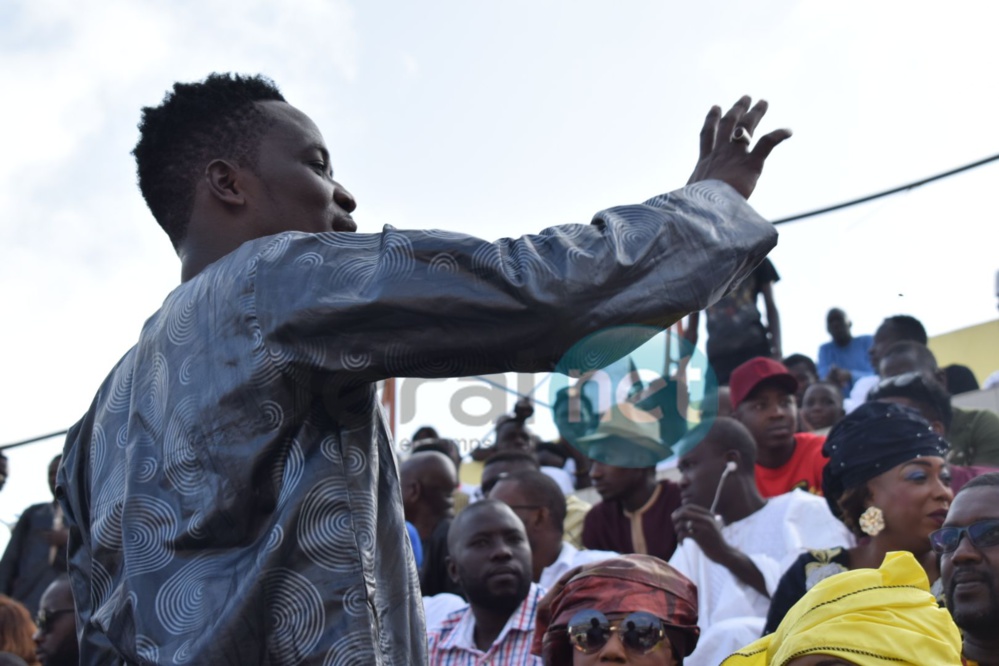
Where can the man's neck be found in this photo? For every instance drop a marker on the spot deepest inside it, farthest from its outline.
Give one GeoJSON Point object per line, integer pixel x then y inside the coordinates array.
{"type": "Point", "coordinates": [741, 501]}
{"type": "Point", "coordinates": [425, 525]}
{"type": "Point", "coordinates": [984, 651]}
{"type": "Point", "coordinates": [546, 550]}
{"type": "Point", "coordinates": [845, 343]}
{"type": "Point", "coordinates": [639, 497]}
{"type": "Point", "coordinates": [488, 625]}
{"type": "Point", "coordinates": [774, 457]}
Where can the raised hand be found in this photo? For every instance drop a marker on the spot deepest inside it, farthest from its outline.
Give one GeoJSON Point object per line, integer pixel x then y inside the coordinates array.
{"type": "Point", "coordinates": [725, 140]}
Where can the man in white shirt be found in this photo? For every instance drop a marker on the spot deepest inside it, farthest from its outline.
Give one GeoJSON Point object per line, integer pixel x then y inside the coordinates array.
{"type": "Point", "coordinates": [736, 545]}
{"type": "Point", "coordinates": [539, 503]}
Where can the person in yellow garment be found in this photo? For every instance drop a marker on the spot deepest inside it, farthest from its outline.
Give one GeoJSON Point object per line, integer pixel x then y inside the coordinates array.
{"type": "Point", "coordinates": [864, 617]}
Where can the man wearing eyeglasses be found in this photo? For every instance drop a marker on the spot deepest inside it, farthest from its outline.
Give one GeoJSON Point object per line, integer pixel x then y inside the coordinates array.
{"type": "Point", "coordinates": [55, 640]}
{"type": "Point", "coordinates": [968, 544]}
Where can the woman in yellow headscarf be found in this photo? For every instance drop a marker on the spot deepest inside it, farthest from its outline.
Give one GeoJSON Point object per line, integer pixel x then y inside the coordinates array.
{"type": "Point", "coordinates": [864, 617]}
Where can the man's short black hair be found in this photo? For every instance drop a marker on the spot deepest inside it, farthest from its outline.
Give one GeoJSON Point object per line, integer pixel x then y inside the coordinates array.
{"type": "Point", "coordinates": [908, 328]}
{"type": "Point", "coordinates": [922, 389]}
{"type": "Point", "coordinates": [539, 489]}
{"type": "Point", "coordinates": [990, 480]}
{"type": "Point", "coordinates": [196, 123]}
{"type": "Point", "coordinates": [801, 359]}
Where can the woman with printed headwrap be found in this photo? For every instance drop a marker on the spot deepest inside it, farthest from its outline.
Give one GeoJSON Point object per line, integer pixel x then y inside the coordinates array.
{"type": "Point", "coordinates": [867, 617]}
{"type": "Point", "coordinates": [634, 609]}
{"type": "Point", "coordinates": [888, 481]}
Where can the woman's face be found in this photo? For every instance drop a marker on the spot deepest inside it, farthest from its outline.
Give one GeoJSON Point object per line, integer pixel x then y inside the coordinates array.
{"type": "Point", "coordinates": [914, 497]}
{"type": "Point", "coordinates": [614, 651]}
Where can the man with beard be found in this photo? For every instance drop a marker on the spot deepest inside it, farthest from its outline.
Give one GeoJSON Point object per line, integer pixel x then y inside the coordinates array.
{"type": "Point", "coordinates": [968, 544]}
{"type": "Point", "coordinates": [491, 560]}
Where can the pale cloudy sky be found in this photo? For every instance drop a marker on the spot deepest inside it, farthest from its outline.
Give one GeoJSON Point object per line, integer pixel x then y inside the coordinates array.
{"type": "Point", "coordinates": [498, 119]}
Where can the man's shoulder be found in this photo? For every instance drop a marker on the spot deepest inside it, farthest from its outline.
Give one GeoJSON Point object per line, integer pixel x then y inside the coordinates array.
{"type": "Point", "coordinates": [974, 418]}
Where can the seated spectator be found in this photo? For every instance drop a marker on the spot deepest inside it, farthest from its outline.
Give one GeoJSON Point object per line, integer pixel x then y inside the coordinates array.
{"type": "Point", "coordinates": [634, 609]}
{"type": "Point", "coordinates": [804, 372]}
{"type": "Point", "coordinates": [846, 358]}
{"type": "Point", "coordinates": [887, 480]}
{"type": "Point", "coordinates": [36, 552]}
{"type": "Point", "coordinates": [867, 617]}
{"type": "Point", "coordinates": [892, 330]}
{"type": "Point", "coordinates": [634, 514]}
{"type": "Point", "coordinates": [16, 631]}
{"type": "Point", "coordinates": [55, 639]}
{"type": "Point", "coordinates": [960, 379]}
{"type": "Point", "coordinates": [734, 544]}
{"type": "Point", "coordinates": [822, 407]}
{"type": "Point", "coordinates": [968, 546]}
{"type": "Point", "coordinates": [973, 433]}
{"type": "Point", "coordinates": [449, 448]}
{"type": "Point", "coordinates": [763, 397]}
{"type": "Point", "coordinates": [540, 504]}
{"type": "Point", "coordinates": [502, 465]}
{"type": "Point", "coordinates": [428, 480]}
{"type": "Point", "coordinates": [927, 396]}
{"type": "Point", "coordinates": [491, 561]}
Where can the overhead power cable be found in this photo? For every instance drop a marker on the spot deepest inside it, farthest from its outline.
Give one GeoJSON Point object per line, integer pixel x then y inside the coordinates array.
{"type": "Point", "coordinates": [33, 440]}
{"type": "Point", "coordinates": [894, 190]}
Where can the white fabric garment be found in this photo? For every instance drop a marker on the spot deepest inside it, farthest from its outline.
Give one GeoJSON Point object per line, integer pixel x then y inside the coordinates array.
{"type": "Point", "coordinates": [568, 558]}
{"type": "Point", "coordinates": [561, 477]}
{"type": "Point", "coordinates": [858, 395]}
{"type": "Point", "coordinates": [729, 611]}
{"type": "Point", "coordinates": [439, 606]}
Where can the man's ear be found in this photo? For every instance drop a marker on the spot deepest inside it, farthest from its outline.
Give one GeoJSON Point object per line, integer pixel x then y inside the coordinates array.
{"type": "Point", "coordinates": [224, 183]}
{"type": "Point", "coordinates": [452, 570]}
{"type": "Point", "coordinates": [410, 492]}
{"type": "Point", "coordinates": [544, 516]}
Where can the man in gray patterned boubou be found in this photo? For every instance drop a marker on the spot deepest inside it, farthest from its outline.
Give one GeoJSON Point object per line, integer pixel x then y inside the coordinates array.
{"type": "Point", "coordinates": [232, 493]}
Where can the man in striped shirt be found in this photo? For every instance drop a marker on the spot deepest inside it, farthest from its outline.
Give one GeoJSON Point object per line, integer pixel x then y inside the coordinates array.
{"type": "Point", "coordinates": [491, 559]}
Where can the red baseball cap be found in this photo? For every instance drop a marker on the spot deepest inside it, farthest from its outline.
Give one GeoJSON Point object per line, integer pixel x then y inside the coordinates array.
{"type": "Point", "coordinates": [748, 376]}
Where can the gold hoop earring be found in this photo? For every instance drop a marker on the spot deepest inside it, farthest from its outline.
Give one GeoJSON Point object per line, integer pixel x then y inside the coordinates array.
{"type": "Point", "coordinates": [872, 521]}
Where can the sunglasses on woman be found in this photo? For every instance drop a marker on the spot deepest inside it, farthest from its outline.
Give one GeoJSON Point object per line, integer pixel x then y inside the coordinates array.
{"type": "Point", "coordinates": [589, 630]}
{"type": "Point", "coordinates": [983, 534]}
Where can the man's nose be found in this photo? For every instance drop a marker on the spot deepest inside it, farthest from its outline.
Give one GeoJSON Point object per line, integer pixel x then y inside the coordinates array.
{"type": "Point", "coordinates": [965, 551]}
{"type": "Point", "coordinates": [344, 198]}
{"type": "Point", "coordinates": [502, 551]}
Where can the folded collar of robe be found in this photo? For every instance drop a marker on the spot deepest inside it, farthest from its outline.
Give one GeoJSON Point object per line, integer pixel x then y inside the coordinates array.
{"type": "Point", "coordinates": [868, 617]}
{"type": "Point", "coordinates": [625, 584]}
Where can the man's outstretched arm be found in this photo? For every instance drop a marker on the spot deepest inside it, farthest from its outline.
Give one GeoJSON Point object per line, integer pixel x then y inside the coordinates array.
{"type": "Point", "coordinates": [437, 304]}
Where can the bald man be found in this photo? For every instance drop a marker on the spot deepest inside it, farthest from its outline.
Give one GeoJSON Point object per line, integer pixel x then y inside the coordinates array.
{"type": "Point", "coordinates": [428, 481]}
